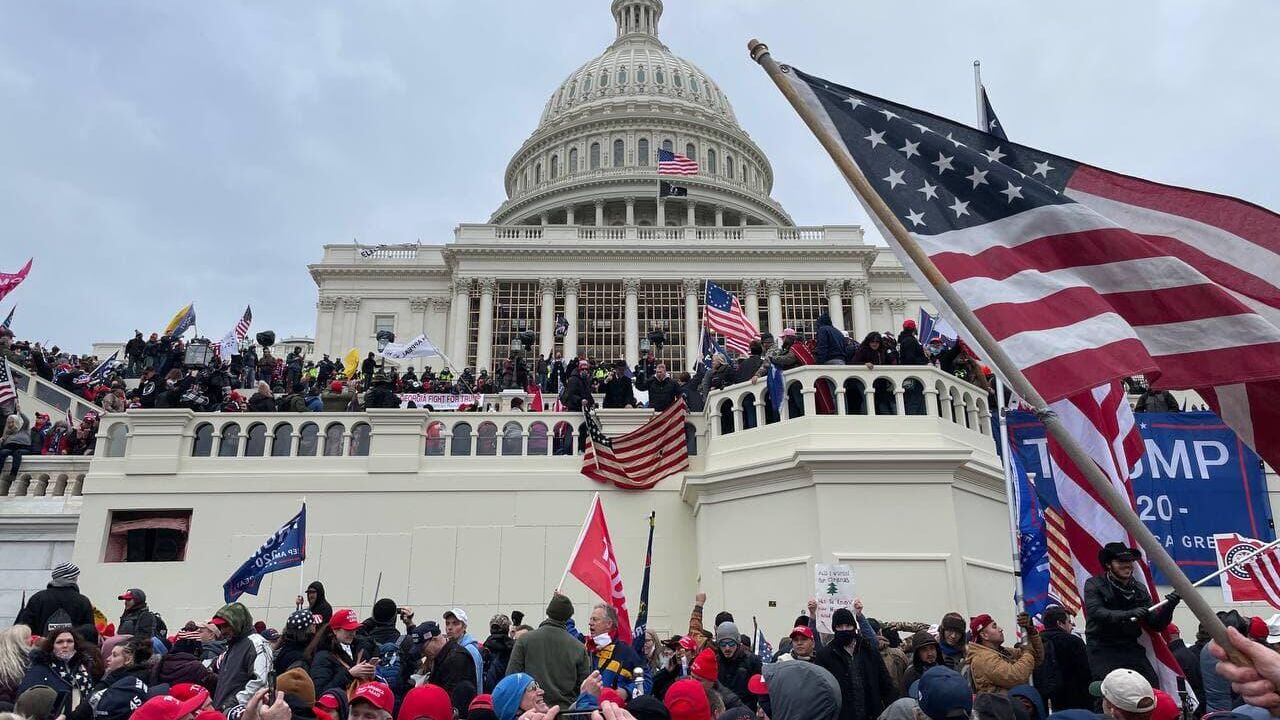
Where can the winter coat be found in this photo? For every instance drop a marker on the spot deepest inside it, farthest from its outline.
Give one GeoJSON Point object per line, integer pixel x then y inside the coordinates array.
{"type": "Point", "coordinates": [330, 669]}
{"type": "Point", "coordinates": [182, 667]}
{"type": "Point", "coordinates": [42, 606]}
{"type": "Point", "coordinates": [996, 670]}
{"type": "Point", "coordinates": [736, 670]}
{"type": "Point", "coordinates": [748, 368]}
{"type": "Point", "coordinates": [553, 656]}
{"type": "Point", "coordinates": [292, 403]}
{"type": "Point", "coordinates": [336, 401]}
{"type": "Point", "coordinates": [830, 346]}
{"type": "Point", "coordinates": [44, 671]}
{"type": "Point", "coordinates": [910, 351]}
{"type": "Point", "coordinates": [576, 389]}
{"type": "Point", "coordinates": [1071, 670]}
{"type": "Point", "coordinates": [1190, 665]}
{"type": "Point", "coordinates": [896, 662]}
{"type": "Point", "coordinates": [1157, 401]}
{"type": "Point", "coordinates": [619, 393]}
{"type": "Point", "coordinates": [288, 655]}
{"type": "Point", "coordinates": [242, 669]}
{"type": "Point", "coordinates": [454, 669]}
{"type": "Point", "coordinates": [131, 672]}
{"type": "Point", "coordinates": [616, 663]}
{"type": "Point", "coordinates": [320, 606]}
{"type": "Point", "coordinates": [20, 438]}
{"type": "Point", "coordinates": [692, 392]}
{"type": "Point", "coordinates": [1218, 694]}
{"type": "Point", "coordinates": [381, 396]}
{"type": "Point", "coordinates": [497, 653]}
{"type": "Point", "coordinates": [877, 686]}
{"type": "Point", "coordinates": [262, 403]}
{"type": "Point", "coordinates": [1112, 634]}
{"type": "Point", "coordinates": [137, 620]}
{"type": "Point", "coordinates": [662, 393]}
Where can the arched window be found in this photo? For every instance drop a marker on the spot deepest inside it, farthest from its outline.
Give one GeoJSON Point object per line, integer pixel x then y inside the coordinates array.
{"type": "Point", "coordinates": [308, 440]}
{"type": "Point", "coordinates": [586, 85]}
{"type": "Point", "coordinates": [203, 443]}
{"type": "Point", "coordinates": [573, 161]}
{"type": "Point", "coordinates": [512, 438]}
{"type": "Point", "coordinates": [538, 439]}
{"type": "Point", "coordinates": [711, 162]}
{"type": "Point", "coordinates": [641, 76]}
{"type": "Point", "coordinates": [537, 173]}
{"type": "Point", "coordinates": [487, 439]}
{"type": "Point", "coordinates": [116, 438]}
{"type": "Point", "coordinates": [691, 151]}
{"type": "Point", "coordinates": [642, 151]}
{"type": "Point", "coordinates": [619, 153]}
{"type": "Point", "coordinates": [604, 79]}
{"type": "Point", "coordinates": [360, 439]}
{"type": "Point", "coordinates": [693, 83]}
{"type": "Point", "coordinates": [593, 156]}
{"type": "Point", "coordinates": [573, 89]}
{"type": "Point", "coordinates": [666, 145]}
{"type": "Point", "coordinates": [659, 76]}
{"type": "Point", "coordinates": [230, 440]}
{"type": "Point", "coordinates": [282, 440]}
{"type": "Point", "coordinates": [333, 439]}
{"type": "Point", "coordinates": [728, 166]}
{"type": "Point", "coordinates": [461, 444]}
{"type": "Point", "coordinates": [435, 439]}
{"type": "Point", "coordinates": [622, 76]}
{"type": "Point", "coordinates": [256, 445]}
{"type": "Point", "coordinates": [555, 166]}
{"type": "Point", "coordinates": [678, 80]}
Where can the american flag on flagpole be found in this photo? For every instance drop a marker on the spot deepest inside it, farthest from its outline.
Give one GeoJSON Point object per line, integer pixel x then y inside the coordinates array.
{"type": "Point", "coordinates": [723, 313]}
{"type": "Point", "coordinates": [1264, 571]}
{"type": "Point", "coordinates": [1062, 573]}
{"type": "Point", "coordinates": [7, 392]}
{"type": "Point", "coordinates": [670, 163]}
{"type": "Point", "coordinates": [641, 458]}
{"type": "Point", "coordinates": [230, 343]}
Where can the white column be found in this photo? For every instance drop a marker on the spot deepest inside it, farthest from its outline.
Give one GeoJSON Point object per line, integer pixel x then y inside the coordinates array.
{"type": "Point", "coordinates": [545, 219]}
{"type": "Point", "coordinates": [835, 287]}
{"type": "Point", "coordinates": [570, 285]}
{"type": "Point", "coordinates": [418, 309]}
{"type": "Point", "coordinates": [325, 340]}
{"type": "Point", "coordinates": [689, 213]}
{"type": "Point", "coordinates": [599, 213]}
{"type": "Point", "coordinates": [662, 212]}
{"type": "Point", "coordinates": [437, 326]}
{"type": "Point", "coordinates": [899, 310]}
{"type": "Point", "coordinates": [751, 300]}
{"type": "Point", "coordinates": [484, 345]}
{"type": "Point", "coordinates": [692, 333]}
{"type": "Point", "coordinates": [719, 216]}
{"type": "Point", "coordinates": [568, 215]}
{"type": "Point", "coordinates": [547, 319]}
{"type": "Point", "coordinates": [631, 211]}
{"type": "Point", "coordinates": [861, 312]}
{"type": "Point", "coordinates": [631, 324]}
{"type": "Point", "coordinates": [461, 318]}
{"type": "Point", "coordinates": [774, 286]}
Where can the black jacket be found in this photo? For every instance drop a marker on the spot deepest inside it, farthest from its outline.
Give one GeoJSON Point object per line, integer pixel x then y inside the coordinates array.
{"type": "Point", "coordinates": [497, 654]}
{"type": "Point", "coordinates": [455, 671]}
{"type": "Point", "coordinates": [618, 392]}
{"type": "Point", "coordinates": [329, 669]}
{"type": "Point", "coordinates": [576, 389]}
{"type": "Point", "coordinates": [662, 393]}
{"type": "Point", "coordinates": [320, 606]}
{"type": "Point", "coordinates": [42, 672]}
{"type": "Point", "coordinates": [877, 687]}
{"type": "Point", "coordinates": [262, 403]}
{"type": "Point", "coordinates": [1070, 666]}
{"type": "Point", "coordinates": [42, 606]}
{"type": "Point", "coordinates": [1111, 631]}
{"type": "Point", "coordinates": [1189, 661]}
{"type": "Point", "coordinates": [137, 620]}
{"type": "Point", "coordinates": [736, 671]}
{"type": "Point", "coordinates": [381, 396]}
{"type": "Point", "coordinates": [910, 351]}
{"type": "Point", "coordinates": [182, 667]}
{"type": "Point", "coordinates": [234, 672]}
{"type": "Point", "coordinates": [747, 368]}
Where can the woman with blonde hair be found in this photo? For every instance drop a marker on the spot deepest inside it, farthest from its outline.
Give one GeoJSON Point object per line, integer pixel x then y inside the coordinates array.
{"type": "Point", "coordinates": [15, 658]}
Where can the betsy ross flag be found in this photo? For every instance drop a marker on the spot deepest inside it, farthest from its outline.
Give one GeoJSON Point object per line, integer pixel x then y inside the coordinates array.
{"type": "Point", "coordinates": [670, 163]}
{"type": "Point", "coordinates": [723, 313]}
{"type": "Point", "coordinates": [7, 393]}
{"type": "Point", "coordinates": [1264, 571]}
{"type": "Point", "coordinates": [641, 458]}
{"type": "Point", "coordinates": [594, 563]}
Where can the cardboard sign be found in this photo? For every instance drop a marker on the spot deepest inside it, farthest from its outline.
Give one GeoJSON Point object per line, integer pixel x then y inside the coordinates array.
{"type": "Point", "coordinates": [833, 588]}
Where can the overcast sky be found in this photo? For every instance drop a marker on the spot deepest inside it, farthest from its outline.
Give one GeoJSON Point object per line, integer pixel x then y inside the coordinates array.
{"type": "Point", "coordinates": [157, 153]}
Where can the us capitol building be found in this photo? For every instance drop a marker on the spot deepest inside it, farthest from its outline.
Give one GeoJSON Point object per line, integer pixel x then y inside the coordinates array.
{"type": "Point", "coordinates": [438, 510]}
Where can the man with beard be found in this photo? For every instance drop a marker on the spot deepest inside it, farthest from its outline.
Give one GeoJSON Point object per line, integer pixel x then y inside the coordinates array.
{"type": "Point", "coordinates": [1117, 609]}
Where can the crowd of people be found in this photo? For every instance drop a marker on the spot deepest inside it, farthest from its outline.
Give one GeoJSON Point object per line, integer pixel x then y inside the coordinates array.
{"type": "Point", "coordinates": [63, 659]}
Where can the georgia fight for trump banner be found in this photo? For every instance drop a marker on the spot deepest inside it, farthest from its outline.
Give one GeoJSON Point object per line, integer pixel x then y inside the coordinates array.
{"type": "Point", "coordinates": [286, 548]}
{"type": "Point", "coordinates": [1196, 479]}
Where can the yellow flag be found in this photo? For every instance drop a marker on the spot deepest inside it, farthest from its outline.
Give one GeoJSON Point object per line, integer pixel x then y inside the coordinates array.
{"type": "Point", "coordinates": [351, 362]}
{"type": "Point", "coordinates": [184, 319]}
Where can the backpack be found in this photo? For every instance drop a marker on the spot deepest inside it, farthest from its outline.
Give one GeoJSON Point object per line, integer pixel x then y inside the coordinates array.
{"type": "Point", "coordinates": [389, 665]}
{"type": "Point", "coordinates": [57, 621]}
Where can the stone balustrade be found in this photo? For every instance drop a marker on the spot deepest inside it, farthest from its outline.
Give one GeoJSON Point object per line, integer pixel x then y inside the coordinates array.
{"type": "Point", "coordinates": [47, 476]}
{"type": "Point", "coordinates": [844, 235]}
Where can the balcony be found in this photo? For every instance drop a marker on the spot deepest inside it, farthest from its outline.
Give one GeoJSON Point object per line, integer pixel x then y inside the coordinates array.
{"type": "Point", "coordinates": [841, 235]}
{"type": "Point", "coordinates": [45, 476]}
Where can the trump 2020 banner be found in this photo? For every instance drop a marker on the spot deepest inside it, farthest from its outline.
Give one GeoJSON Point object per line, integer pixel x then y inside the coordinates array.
{"type": "Point", "coordinates": [1196, 480]}
{"type": "Point", "coordinates": [286, 548]}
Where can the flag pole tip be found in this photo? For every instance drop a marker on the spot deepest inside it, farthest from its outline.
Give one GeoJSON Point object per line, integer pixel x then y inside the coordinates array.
{"type": "Point", "coordinates": [757, 49]}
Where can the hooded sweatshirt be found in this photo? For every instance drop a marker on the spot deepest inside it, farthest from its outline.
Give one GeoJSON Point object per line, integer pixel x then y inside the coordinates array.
{"type": "Point", "coordinates": [320, 606]}
{"type": "Point", "coordinates": [244, 666]}
{"type": "Point", "coordinates": [801, 691]}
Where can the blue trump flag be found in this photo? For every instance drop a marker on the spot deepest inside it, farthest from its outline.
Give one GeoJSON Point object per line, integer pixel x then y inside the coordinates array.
{"type": "Point", "coordinates": [777, 390]}
{"type": "Point", "coordinates": [286, 548]}
{"type": "Point", "coordinates": [1033, 547]}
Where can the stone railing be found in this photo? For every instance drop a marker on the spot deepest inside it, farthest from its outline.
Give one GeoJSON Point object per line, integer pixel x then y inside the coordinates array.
{"type": "Point", "coordinates": [840, 234]}
{"type": "Point", "coordinates": [47, 476]}
{"type": "Point", "coordinates": [851, 390]}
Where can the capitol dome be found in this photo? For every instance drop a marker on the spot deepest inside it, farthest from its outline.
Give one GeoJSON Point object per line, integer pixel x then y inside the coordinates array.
{"type": "Point", "coordinates": [592, 160]}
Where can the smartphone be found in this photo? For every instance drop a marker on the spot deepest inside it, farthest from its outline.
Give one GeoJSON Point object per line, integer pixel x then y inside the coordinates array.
{"type": "Point", "coordinates": [61, 705]}
{"type": "Point", "coordinates": [271, 688]}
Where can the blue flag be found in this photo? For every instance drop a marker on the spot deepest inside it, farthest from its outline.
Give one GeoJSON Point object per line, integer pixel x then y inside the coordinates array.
{"type": "Point", "coordinates": [284, 549]}
{"type": "Point", "coordinates": [763, 649]}
{"type": "Point", "coordinates": [642, 617]}
{"type": "Point", "coordinates": [1033, 547]}
{"type": "Point", "coordinates": [8, 319]}
{"type": "Point", "coordinates": [710, 349]}
{"type": "Point", "coordinates": [100, 373]}
{"type": "Point", "coordinates": [777, 389]}
{"type": "Point", "coordinates": [993, 125]}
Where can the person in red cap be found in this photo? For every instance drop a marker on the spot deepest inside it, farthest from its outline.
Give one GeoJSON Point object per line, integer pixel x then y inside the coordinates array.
{"type": "Point", "coordinates": [706, 670]}
{"type": "Point", "coordinates": [336, 657]}
{"type": "Point", "coordinates": [137, 619]}
{"type": "Point", "coordinates": [687, 700]}
{"type": "Point", "coordinates": [684, 648]}
{"type": "Point", "coordinates": [802, 644]}
{"type": "Point", "coordinates": [374, 701]}
{"type": "Point", "coordinates": [429, 702]}
{"type": "Point", "coordinates": [995, 668]}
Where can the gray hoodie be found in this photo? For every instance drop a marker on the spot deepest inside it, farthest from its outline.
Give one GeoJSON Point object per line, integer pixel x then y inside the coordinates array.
{"type": "Point", "coordinates": [20, 437]}
{"type": "Point", "coordinates": [801, 691]}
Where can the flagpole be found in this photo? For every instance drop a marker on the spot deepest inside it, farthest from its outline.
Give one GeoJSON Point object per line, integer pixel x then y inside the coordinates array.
{"type": "Point", "coordinates": [578, 543]}
{"type": "Point", "coordinates": [1244, 559]}
{"type": "Point", "coordinates": [1115, 502]}
{"type": "Point", "coordinates": [977, 96]}
{"type": "Point", "coordinates": [302, 568]}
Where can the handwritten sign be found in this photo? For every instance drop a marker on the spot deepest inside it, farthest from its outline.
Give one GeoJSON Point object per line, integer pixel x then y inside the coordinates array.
{"type": "Point", "coordinates": [833, 588]}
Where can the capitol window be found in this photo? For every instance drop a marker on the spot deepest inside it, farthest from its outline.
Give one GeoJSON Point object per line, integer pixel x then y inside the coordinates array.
{"type": "Point", "coordinates": [640, 75]}
{"type": "Point", "coordinates": [147, 536]}
{"type": "Point", "coordinates": [573, 160]}
{"type": "Point", "coordinates": [594, 156]}
{"type": "Point", "coordinates": [691, 151]}
{"type": "Point", "coordinates": [679, 81]}
{"type": "Point", "coordinates": [573, 89]}
{"type": "Point", "coordinates": [537, 173]}
{"type": "Point", "coordinates": [619, 153]}
{"type": "Point", "coordinates": [555, 167]}
{"type": "Point", "coordinates": [666, 145]}
{"type": "Point", "coordinates": [642, 151]}
{"type": "Point", "coordinates": [622, 76]}
{"type": "Point", "coordinates": [659, 76]}
{"type": "Point", "coordinates": [693, 83]}
{"type": "Point", "coordinates": [728, 166]}
{"type": "Point", "coordinates": [711, 162]}
{"type": "Point", "coordinates": [801, 304]}
{"type": "Point", "coordinates": [586, 84]}
{"type": "Point", "coordinates": [383, 323]}
{"type": "Point", "coordinates": [661, 307]}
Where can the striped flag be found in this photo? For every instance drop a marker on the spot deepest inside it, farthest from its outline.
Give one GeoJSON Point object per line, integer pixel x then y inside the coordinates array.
{"type": "Point", "coordinates": [641, 458]}
{"type": "Point", "coordinates": [181, 322]}
{"type": "Point", "coordinates": [230, 343]}
{"type": "Point", "coordinates": [1264, 571]}
{"type": "Point", "coordinates": [1062, 574]}
{"type": "Point", "coordinates": [670, 163]}
{"type": "Point", "coordinates": [1082, 275]}
{"type": "Point", "coordinates": [723, 314]}
{"type": "Point", "coordinates": [7, 393]}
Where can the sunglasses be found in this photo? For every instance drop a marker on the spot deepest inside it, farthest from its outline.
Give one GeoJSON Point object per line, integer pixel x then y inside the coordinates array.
{"type": "Point", "coordinates": [533, 686]}
{"type": "Point", "coordinates": [728, 643]}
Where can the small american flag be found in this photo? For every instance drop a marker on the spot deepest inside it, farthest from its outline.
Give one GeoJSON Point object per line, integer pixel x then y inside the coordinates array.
{"type": "Point", "coordinates": [7, 393]}
{"type": "Point", "coordinates": [723, 314]}
{"type": "Point", "coordinates": [230, 343]}
{"type": "Point", "coordinates": [1264, 570]}
{"type": "Point", "coordinates": [641, 458]}
{"type": "Point", "coordinates": [670, 163]}
{"type": "Point", "coordinates": [764, 650]}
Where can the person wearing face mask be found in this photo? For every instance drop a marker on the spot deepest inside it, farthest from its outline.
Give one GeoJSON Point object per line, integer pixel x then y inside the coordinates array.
{"type": "Point", "coordinates": [59, 663]}
{"type": "Point", "coordinates": [865, 686]}
{"type": "Point", "coordinates": [615, 661]}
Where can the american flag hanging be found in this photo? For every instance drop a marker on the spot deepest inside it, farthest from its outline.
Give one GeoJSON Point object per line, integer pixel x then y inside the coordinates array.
{"type": "Point", "coordinates": [723, 314]}
{"type": "Point", "coordinates": [670, 163]}
{"type": "Point", "coordinates": [7, 393]}
{"type": "Point", "coordinates": [641, 458]}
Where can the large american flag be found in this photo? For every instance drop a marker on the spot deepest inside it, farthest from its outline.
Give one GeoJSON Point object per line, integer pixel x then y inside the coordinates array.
{"type": "Point", "coordinates": [641, 458]}
{"type": "Point", "coordinates": [7, 393]}
{"type": "Point", "coordinates": [723, 314]}
{"type": "Point", "coordinates": [1264, 571]}
{"type": "Point", "coordinates": [670, 163]}
{"type": "Point", "coordinates": [1082, 275]}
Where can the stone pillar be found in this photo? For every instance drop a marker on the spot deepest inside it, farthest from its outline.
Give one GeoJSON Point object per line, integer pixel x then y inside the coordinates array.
{"type": "Point", "coordinates": [568, 215]}
{"type": "Point", "coordinates": [325, 340]}
{"type": "Point", "coordinates": [692, 333]}
{"type": "Point", "coordinates": [599, 213]}
{"type": "Point", "coordinates": [898, 308]}
{"type": "Point", "coordinates": [742, 220]}
{"type": "Point", "coordinates": [877, 304]}
{"type": "Point", "coordinates": [719, 216]}
{"type": "Point", "coordinates": [631, 321]}
{"type": "Point", "coordinates": [774, 286]}
{"type": "Point", "coordinates": [835, 287]}
{"type": "Point", "coordinates": [631, 211]}
{"type": "Point", "coordinates": [461, 308]}
{"type": "Point", "coordinates": [751, 300]}
{"type": "Point", "coordinates": [350, 309]}
{"type": "Point", "coordinates": [484, 344]}
{"type": "Point", "coordinates": [545, 218]}
{"type": "Point", "coordinates": [570, 285]}
{"type": "Point", "coordinates": [689, 213]}
{"type": "Point", "coordinates": [861, 312]}
{"type": "Point", "coordinates": [418, 308]}
{"type": "Point", "coordinates": [437, 327]}
{"type": "Point", "coordinates": [547, 319]}
{"type": "Point", "coordinates": [662, 212]}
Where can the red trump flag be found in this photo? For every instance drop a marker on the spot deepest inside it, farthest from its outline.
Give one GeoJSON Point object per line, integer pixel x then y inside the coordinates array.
{"type": "Point", "coordinates": [593, 562]}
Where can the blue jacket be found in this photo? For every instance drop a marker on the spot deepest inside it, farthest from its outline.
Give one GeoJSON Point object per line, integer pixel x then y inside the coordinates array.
{"type": "Point", "coordinates": [617, 662]}
{"type": "Point", "coordinates": [830, 340]}
{"type": "Point", "coordinates": [472, 647]}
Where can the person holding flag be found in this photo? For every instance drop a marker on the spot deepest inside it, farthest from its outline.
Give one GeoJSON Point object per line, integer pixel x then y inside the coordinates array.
{"type": "Point", "coordinates": [1116, 609]}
